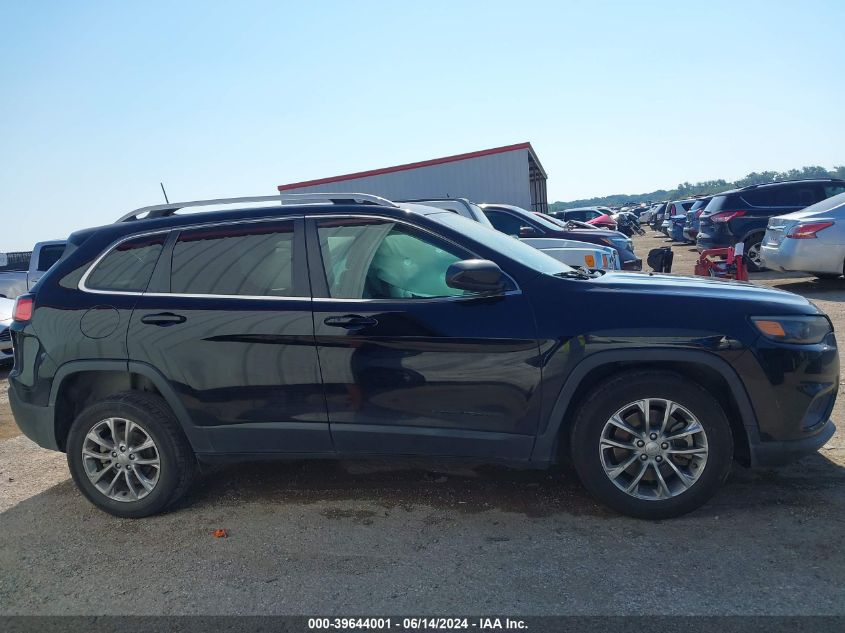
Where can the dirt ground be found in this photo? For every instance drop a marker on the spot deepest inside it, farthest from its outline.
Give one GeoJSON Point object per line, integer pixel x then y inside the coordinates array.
{"type": "Point", "coordinates": [387, 537]}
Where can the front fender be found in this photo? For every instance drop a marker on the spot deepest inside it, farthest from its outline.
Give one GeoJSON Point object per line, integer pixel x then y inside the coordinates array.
{"type": "Point", "coordinates": [545, 446]}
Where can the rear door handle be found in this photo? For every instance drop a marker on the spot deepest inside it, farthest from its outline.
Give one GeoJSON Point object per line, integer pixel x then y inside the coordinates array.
{"type": "Point", "coordinates": [163, 319]}
{"type": "Point", "coordinates": [350, 321]}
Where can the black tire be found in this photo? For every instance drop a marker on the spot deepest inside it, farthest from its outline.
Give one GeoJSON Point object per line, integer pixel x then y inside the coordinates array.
{"type": "Point", "coordinates": [752, 242]}
{"type": "Point", "coordinates": [609, 397]}
{"type": "Point", "coordinates": [177, 461]}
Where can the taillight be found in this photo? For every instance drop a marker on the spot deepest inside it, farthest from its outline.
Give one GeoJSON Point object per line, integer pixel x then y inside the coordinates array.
{"type": "Point", "coordinates": [726, 216]}
{"type": "Point", "coordinates": [23, 308]}
{"type": "Point", "coordinates": [807, 231]}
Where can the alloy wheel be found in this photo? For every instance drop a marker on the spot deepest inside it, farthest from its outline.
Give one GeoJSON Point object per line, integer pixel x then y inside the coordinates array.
{"type": "Point", "coordinates": [653, 449]}
{"type": "Point", "coordinates": [754, 254]}
{"type": "Point", "coordinates": [121, 459]}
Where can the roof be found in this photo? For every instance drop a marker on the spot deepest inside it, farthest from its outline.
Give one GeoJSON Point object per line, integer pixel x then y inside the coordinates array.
{"type": "Point", "coordinates": [425, 163]}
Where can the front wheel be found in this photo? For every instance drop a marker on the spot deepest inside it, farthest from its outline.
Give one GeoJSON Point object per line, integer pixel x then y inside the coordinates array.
{"type": "Point", "coordinates": [651, 444]}
{"type": "Point", "coordinates": [128, 455]}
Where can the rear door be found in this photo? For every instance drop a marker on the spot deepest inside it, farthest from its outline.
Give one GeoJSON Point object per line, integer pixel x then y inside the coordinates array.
{"type": "Point", "coordinates": [227, 319]}
{"type": "Point", "coordinates": [410, 365]}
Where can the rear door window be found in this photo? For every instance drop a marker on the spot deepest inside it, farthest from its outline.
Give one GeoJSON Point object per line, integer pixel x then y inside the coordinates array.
{"type": "Point", "coordinates": [128, 266]}
{"type": "Point", "coordinates": [833, 190]}
{"type": "Point", "coordinates": [796, 196]}
{"type": "Point", "coordinates": [254, 259]}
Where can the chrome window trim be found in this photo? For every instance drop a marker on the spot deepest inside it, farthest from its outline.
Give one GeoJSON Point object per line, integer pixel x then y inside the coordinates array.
{"type": "Point", "coordinates": [516, 291]}
{"type": "Point", "coordinates": [133, 293]}
{"type": "Point", "coordinates": [106, 251]}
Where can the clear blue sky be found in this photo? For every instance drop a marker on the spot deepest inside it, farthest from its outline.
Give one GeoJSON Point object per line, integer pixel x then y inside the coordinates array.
{"type": "Point", "coordinates": [99, 101]}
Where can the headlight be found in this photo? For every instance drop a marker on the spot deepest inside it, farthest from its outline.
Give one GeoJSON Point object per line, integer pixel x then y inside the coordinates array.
{"type": "Point", "coordinates": [802, 330]}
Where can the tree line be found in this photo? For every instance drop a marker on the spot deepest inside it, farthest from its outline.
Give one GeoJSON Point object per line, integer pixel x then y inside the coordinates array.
{"type": "Point", "coordinates": [687, 189]}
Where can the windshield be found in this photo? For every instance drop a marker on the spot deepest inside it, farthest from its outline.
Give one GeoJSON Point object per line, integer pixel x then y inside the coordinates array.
{"type": "Point", "coordinates": [508, 246]}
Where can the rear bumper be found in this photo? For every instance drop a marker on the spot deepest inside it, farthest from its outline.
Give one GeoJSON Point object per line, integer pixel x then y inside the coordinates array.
{"type": "Point", "coordinates": [808, 256]}
{"type": "Point", "coordinates": [703, 241]}
{"type": "Point", "coordinates": [775, 453]}
{"type": "Point", "coordinates": [37, 423]}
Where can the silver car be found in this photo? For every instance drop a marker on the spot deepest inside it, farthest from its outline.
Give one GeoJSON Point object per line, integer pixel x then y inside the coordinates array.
{"type": "Point", "coordinates": [811, 240]}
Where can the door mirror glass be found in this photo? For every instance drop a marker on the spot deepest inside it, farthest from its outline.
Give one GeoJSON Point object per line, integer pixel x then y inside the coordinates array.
{"type": "Point", "coordinates": [527, 231]}
{"type": "Point", "coordinates": [475, 275]}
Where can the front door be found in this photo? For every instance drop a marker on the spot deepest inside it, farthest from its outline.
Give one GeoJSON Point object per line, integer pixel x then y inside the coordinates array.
{"type": "Point", "coordinates": [410, 365]}
{"type": "Point", "coordinates": [228, 321]}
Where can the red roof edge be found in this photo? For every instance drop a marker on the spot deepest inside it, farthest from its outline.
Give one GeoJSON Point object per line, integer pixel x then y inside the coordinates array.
{"type": "Point", "coordinates": [424, 163]}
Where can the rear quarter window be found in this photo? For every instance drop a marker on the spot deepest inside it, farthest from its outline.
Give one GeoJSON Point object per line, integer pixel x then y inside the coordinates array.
{"type": "Point", "coordinates": [722, 203]}
{"type": "Point", "coordinates": [128, 266]}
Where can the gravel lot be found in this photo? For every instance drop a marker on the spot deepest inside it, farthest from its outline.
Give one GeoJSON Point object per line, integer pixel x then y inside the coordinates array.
{"type": "Point", "coordinates": [427, 538]}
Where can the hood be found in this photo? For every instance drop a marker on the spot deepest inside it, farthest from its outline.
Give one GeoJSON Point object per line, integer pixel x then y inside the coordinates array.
{"type": "Point", "coordinates": [543, 243]}
{"type": "Point", "coordinates": [758, 299]}
{"type": "Point", "coordinates": [7, 307]}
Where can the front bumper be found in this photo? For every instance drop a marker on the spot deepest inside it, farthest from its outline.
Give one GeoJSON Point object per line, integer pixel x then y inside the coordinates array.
{"type": "Point", "coordinates": [6, 350]}
{"type": "Point", "coordinates": [808, 256]}
{"type": "Point", "coordinates": [773, 453]}
{"type": "Point", "coordinates": [633, 264]}
{"type": "Point", "coordinates": [37, 423]}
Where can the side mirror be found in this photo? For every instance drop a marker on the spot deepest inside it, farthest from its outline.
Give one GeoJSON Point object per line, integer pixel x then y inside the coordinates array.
{"type": "Point", "coordinates": [476, 275]}
{"type": "Point", "coordinates": [527, 231]}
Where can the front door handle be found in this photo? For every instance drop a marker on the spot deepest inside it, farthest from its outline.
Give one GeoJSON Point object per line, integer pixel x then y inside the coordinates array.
{"type": "Point", "coordinates": [350, 321]}
{"type": "Point", "coordinates": [163, 319]}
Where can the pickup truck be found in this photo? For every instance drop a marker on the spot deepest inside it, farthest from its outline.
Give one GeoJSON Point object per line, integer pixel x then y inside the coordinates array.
{"type": "Point", "coordinates": [16, 282]}
{"type": "Point", "coordinates": [569, 251]}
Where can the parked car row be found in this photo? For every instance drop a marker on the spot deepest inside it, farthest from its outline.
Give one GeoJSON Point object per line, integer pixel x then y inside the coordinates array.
{"type": "Point", "coordinates": [762, 218]}
{"type": "Point", "coordinates": [347, 325]}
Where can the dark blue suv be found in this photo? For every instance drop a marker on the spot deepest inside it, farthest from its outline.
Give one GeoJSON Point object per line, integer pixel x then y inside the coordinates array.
{"type": "Point", "coordinates": [741, 215]}
{"type": "Point", "coordinates": [353, 327]}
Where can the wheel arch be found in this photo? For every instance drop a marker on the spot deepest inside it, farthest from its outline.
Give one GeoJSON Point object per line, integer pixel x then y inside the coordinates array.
{"type": "Point", "coordinates": [705, 368]}
{"type": "Point", "coordinates": [78, 384]}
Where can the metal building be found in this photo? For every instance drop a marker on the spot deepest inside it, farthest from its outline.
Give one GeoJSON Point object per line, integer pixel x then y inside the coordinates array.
{"type": "Point", "coordinates": [508, 175]}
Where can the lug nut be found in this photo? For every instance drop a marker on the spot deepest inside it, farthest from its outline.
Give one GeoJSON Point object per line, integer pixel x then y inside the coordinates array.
{"type": "Point", "coordinates": [117, 466]}
{"type": "Point", "coordinates": [114, 454]}
{"type": "Point", "coordinates": [653, 436]}
{"type": "Point", "coordinates": [640, 443]}
{"type": "Point", "coordinates": [122, 448]}
{"type": "Point", "coordinates": [658, 459]}
{"type": "Point", "coordinates": [643, 457]}
{"type": "Point", "coordinates": [131, 455]}
{"type": "Point", "coordinates": [664, 446]}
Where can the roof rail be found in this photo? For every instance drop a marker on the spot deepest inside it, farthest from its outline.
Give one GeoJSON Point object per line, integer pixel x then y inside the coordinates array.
{"type": "Point", "coordinates": [777, 182]}
{"type": "Point", "coordinates": [165, 210]}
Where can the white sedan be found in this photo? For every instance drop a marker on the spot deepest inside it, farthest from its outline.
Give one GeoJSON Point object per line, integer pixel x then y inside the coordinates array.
{"type": "Point", "coordinates": [6, 308]}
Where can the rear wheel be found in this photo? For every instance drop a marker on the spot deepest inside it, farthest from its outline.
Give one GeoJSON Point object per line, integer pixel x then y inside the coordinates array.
{"type": "Point", "coordinates": [753, 253]}
{"type": "Point", "coordinates": [651, 444]}
{"type": "Point", "coordinates": [128, 455]}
